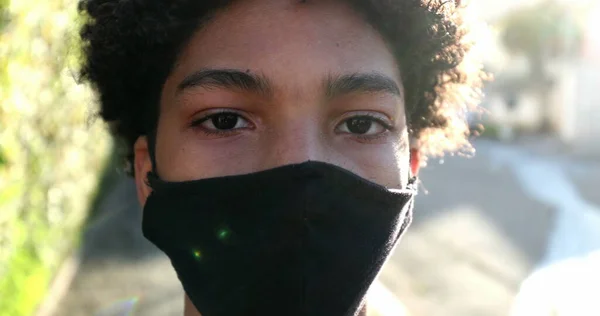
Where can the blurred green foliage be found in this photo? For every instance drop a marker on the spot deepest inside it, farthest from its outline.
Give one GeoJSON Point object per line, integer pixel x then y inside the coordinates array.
{"type": "Point", "coordinates": [51, 153]}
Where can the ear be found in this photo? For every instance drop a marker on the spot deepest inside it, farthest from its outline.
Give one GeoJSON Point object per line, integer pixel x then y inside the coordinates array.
{"type": "Point", "coordinates": [142, 165]}
{"type": "Point", "coordinates": [415, 161]}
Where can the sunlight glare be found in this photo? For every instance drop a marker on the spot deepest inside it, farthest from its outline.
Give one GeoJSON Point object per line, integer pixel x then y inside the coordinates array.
{"type": "Point", "coordinates": [593, 33]}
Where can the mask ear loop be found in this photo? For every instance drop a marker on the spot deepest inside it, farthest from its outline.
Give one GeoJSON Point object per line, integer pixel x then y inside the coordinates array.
{"type": "Point", "coordinates": [151, 127]}
{"type": "Point", "coordinates": [152, 149]}
{"type": "Point", "coordinates": [411, 187]}
{"type": "Point", "coordinates": [153, 181]}
{"type": "Point", "coordinates": [413, 183]}
{"type": "Point", "coordinates": [151, 137]}
{"type": "Point", "coordinates": [413, 178]}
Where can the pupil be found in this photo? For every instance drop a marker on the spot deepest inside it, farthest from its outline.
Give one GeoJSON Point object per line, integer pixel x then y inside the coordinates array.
{"type": "Point", "coordinates": [359, 125]}
{"type": "Point", "coordinates": [225, 121]}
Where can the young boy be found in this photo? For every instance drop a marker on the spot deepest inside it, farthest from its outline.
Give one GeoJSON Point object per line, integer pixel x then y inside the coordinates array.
{"type": "Point", "coordinates": [275, 143]}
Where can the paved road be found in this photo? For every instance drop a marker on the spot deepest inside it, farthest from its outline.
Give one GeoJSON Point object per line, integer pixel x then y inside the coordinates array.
{"type": "Point", "coordinates": [488, 222]}
{"type": "Point", "coordinates": [477, 234]}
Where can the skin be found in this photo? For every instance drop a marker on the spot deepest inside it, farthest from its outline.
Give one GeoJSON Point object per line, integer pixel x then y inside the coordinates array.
{"type": "Point", "coordinates": [303, 57]}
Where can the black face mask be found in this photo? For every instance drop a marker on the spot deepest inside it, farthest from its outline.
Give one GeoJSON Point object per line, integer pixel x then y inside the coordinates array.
{"type": "Point", "coordinates": [304, 239]}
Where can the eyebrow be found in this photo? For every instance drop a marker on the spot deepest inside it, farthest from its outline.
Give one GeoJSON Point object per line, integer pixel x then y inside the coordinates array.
{"type": "Point", "coordinates": [335, 85]}
{"type": "Point", "coordinates": [360, 82]}
{"type": "Point", "coordinates": [228, 79]}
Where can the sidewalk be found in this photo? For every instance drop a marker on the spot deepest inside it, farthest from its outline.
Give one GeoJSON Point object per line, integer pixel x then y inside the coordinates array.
{"type": "Point", "coordinates": [583, 169]}
{"type": "Point", "coordinates": [476, 235]}
{"type": "Point", "coordinates": [486, 223]}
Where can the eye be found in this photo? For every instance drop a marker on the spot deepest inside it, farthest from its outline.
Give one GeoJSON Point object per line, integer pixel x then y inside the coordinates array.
{"type": "Point", "coordinates": [363, 125]}
{"type": "Point", "coordinates": [222, 122]}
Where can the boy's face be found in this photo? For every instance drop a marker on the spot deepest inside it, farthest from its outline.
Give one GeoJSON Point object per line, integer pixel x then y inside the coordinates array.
{"type": "Point", "coordinates": [297, 82]}
{"type": "Point", "coordinates": [270, 83]}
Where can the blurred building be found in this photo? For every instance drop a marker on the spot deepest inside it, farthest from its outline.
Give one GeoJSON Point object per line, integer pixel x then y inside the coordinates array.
{"type": "Point", "coordinates": [574, 101]}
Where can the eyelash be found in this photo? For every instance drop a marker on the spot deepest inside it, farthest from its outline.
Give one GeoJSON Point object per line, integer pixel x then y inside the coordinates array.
{"type": "Point", "coordinates": [196, 124]}
{"type": "Point", "coordinates": [376, 119]}
{"type": "Point", "coordinates": [373, 118]}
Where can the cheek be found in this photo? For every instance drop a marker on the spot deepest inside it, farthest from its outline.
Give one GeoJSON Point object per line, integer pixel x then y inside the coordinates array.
{"type": "Point", "coordinates": [181, 156]}
{"type": "Point", "coordinates": [387, 165]}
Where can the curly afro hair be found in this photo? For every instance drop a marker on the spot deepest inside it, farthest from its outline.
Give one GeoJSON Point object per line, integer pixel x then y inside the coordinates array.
{"type": "Point", "coordinates": [130, 46]}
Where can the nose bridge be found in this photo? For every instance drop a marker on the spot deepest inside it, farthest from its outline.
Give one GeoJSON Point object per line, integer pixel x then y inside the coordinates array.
{"type": "Point", "coordinates": [296, 141]}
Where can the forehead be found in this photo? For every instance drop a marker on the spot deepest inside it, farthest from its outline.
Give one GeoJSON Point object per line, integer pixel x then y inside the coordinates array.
{"type": "Point", "coordinates": [283, 39]}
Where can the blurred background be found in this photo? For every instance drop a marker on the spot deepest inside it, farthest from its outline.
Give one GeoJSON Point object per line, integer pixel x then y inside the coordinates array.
{"type": "Point", "coordinates": [514, 230]}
